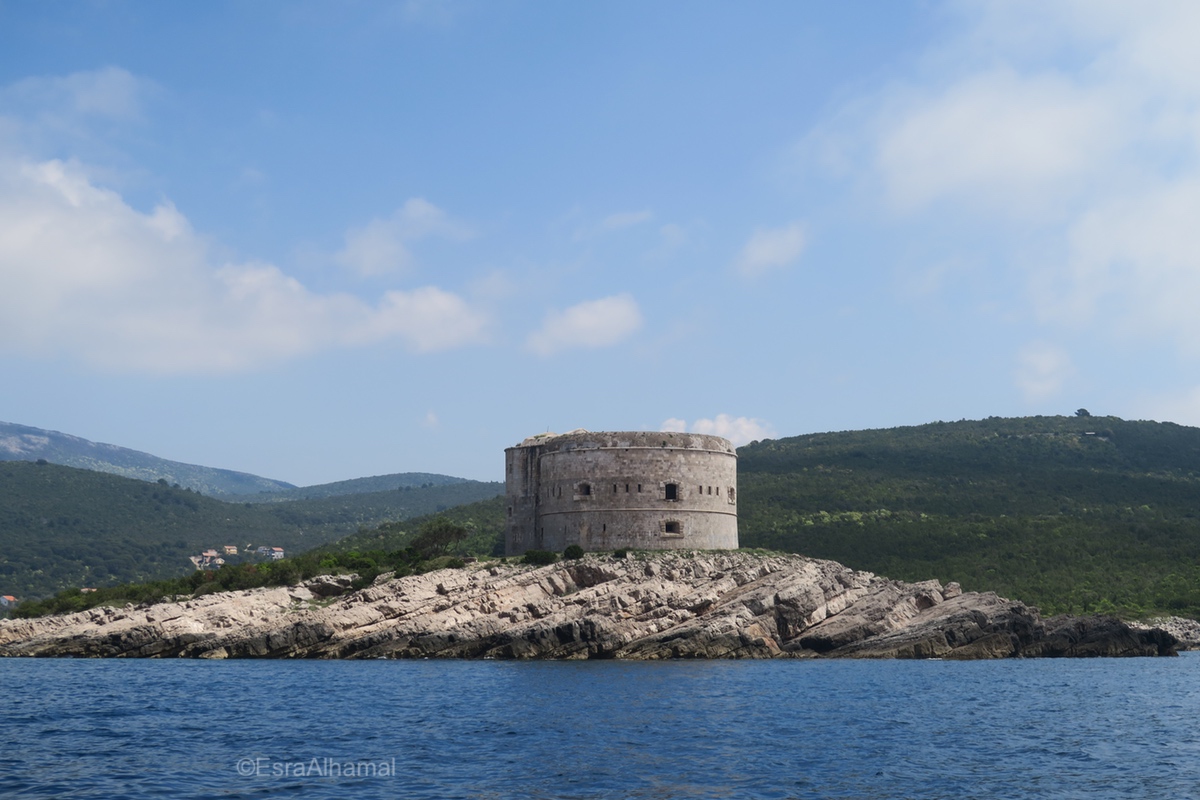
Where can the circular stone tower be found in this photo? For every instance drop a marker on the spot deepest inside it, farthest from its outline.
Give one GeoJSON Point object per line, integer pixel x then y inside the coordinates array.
{"type": "Point", "coordinates": [605, 491]}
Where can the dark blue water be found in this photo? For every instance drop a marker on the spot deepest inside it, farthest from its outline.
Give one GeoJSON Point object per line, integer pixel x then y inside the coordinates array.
{"type": "Point", "coordinates": [765, 729]}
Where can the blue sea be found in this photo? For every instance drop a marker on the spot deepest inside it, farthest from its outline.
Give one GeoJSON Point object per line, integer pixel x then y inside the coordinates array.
{"type": "Point", "coordinates": [687, 729]}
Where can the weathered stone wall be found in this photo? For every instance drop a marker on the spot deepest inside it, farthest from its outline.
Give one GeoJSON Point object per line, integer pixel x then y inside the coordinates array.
{"type": "Point", "coordinates": [604, 491]}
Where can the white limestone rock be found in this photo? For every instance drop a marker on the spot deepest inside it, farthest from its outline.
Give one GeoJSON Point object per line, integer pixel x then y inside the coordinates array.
{"type": "Point", "coordinates": [716, 604]}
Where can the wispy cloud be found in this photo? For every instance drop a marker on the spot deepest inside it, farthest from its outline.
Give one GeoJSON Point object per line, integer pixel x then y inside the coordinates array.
{"type": "Point", "coordinates": [109, 92]}
{"type": "Point", "coordinates": [618, 221]}
{"type": "Point", "coordinates": [771, 248]}
{"type": "Point", "coordinates": [998, 139]}
{"type": "Point", "coordinates": [1042, 370]}
{"type": "Point", "coordinates": [625, 219]}
{"type": "Point", "coordinates": [1077, 126]}
{"type": "Point", "coordinates": [591, 324]}
{"type": "Point", "coordinates": [382, 245]}
{"type": "Point", "coordinates": [84, 113]}
{"type": "Point", "coordinates": [738, 430]}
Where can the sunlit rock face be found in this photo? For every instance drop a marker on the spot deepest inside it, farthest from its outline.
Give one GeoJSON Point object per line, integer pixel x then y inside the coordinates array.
{"type": "Point", "coordinates": [644, 606]}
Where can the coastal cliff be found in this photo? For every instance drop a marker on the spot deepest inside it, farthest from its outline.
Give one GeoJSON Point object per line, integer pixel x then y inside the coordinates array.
{"type": "Point", "coordinates": [646, 606]}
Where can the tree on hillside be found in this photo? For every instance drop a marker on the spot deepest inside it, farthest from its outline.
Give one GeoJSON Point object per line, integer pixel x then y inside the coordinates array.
{"type": "Point", "coordinates": [437, 535]}
{"type": "Point", "coordinates": [1083, 412]}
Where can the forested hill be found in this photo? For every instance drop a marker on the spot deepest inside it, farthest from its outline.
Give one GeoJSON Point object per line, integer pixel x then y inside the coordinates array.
{"type": "Point", "coordinates": [1074, 513]}
{"type": "Point", "coordinates": [63, 527]}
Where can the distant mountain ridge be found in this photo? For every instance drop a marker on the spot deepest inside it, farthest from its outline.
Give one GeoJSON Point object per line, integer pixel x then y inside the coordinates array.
{"type": "Point", "coordinates": [25, 443]}
{"type": "Point", "coordinates": [376, 483]}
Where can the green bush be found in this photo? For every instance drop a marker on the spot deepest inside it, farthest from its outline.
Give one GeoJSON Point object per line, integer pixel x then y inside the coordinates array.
{"type": "Point", "coordinates": [620, 553]}
{"type": "Point", "coordinates": [573, 552]}
{"type": "Point", "coordinates": [539, 557]}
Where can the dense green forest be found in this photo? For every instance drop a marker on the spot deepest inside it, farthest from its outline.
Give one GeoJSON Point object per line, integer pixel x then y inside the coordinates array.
{"type": "Point", "coordinates": [63, 527]}
{"type": "Point", "coordinates": [1074, 514]}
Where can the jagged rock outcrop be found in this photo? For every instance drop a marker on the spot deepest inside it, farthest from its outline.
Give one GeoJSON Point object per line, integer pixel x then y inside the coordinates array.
{"type": "Point", "coordinates": [1186, 631]}
{"type": "Point", "coordinates": [664, 605]}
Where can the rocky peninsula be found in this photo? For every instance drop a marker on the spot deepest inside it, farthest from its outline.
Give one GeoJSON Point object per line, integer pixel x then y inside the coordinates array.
{"type": "Point", "coordinates": [645, 606]}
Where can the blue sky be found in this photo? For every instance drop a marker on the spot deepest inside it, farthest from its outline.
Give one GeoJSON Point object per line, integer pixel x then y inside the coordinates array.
{"type": "Point", "coordinates": [318, 241]}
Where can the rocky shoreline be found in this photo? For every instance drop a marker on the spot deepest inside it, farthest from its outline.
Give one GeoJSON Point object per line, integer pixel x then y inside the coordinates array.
{"type": "Point", "coordinates": [645, 606]}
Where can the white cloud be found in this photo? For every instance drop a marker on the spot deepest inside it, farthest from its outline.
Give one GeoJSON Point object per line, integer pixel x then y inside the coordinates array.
{"type": "Point", "coordinates": [771, 248]}
{"type": "Point", "coordinates": [382, 245]}
{"type": "Point", "coordinates": [998, 139]}
{"type": "Point", "coordinates": [1042, 370]}
{"type": "Point", "coordinates": [595, 323]}
{"type": "Point", "coordinates": [1076, 125]}
{"type": "Point", "coordinates": [738, 430]}
{"type": "Point", "coordinates": [1134, 262]}
{"type": "Point", "coordinates": [85, 275]}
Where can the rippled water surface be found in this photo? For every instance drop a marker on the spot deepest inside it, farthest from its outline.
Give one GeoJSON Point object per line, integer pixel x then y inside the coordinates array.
{"type": "Point", "coordinates": [721, 729]}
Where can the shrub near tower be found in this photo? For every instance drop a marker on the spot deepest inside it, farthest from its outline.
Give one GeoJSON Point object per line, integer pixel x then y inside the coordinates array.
{"type": "Point", "coordinates": [604, 491]}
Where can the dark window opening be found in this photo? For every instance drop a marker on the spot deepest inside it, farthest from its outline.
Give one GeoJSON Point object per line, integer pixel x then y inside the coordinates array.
{"type": "Point", "coordinates": [639, 487]}
{"type": "Point", "coordinates": [673, 528]}
{"type": "Point", "coordinates": [672, 491]}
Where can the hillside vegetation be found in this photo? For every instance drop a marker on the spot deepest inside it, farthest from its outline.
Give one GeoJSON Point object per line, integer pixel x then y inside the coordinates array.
{"type": "Point", "coordinates": [482, 520]}
{"type": "Point", "coordinates": [1075, 514]}
{"type": "Point", "coordinates": [62, 527]}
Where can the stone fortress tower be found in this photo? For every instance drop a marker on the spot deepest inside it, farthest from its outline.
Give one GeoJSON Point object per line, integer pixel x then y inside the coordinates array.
{"type": "Point", "coordinates": [605, 491]}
